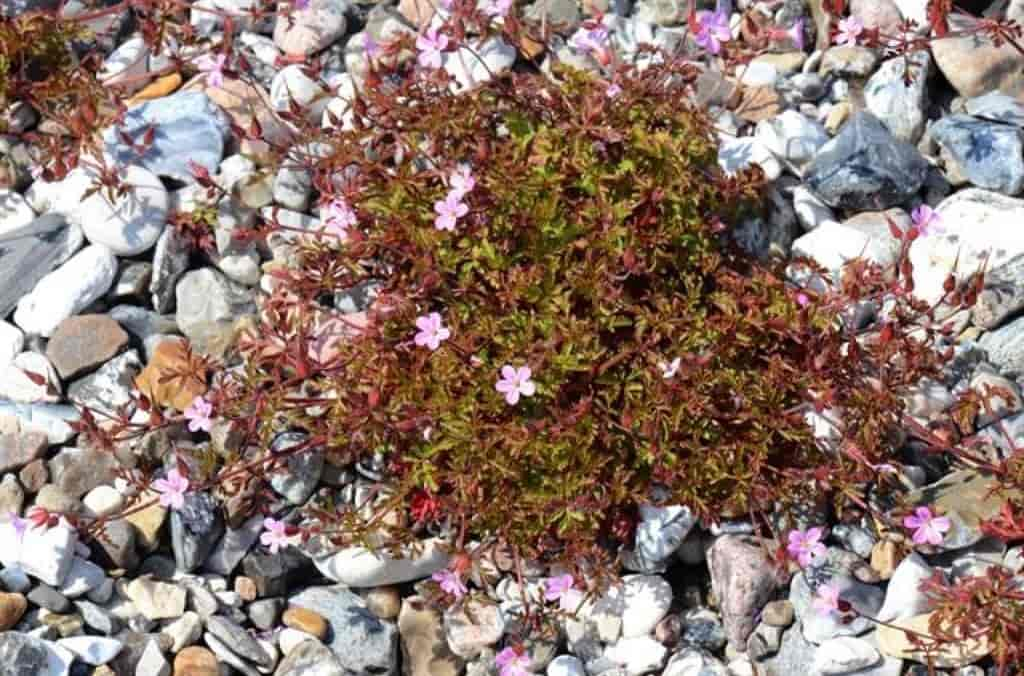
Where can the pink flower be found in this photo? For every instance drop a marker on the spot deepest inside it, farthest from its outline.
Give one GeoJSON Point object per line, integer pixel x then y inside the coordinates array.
{"type": "Point", "coordinates": [19, 525]}
{"type": "Point", "coordinates": [431, 44]}
{"type": "Point", "coordinates": [172, 489]}
{"type": "Point", "coordinates": [449, 210]}
{"type": "Point", "coordinates": [826, 600]}
{"type": "Point", "coordinates": [592, 40]}
{"type": "Point", "coordinates": [805, 546]}
{"type": "Point", "coordinates": [928, 529]}
{"type": "Point", "coordinates": [213, 66]}
{"type": "Point", "coordinates": [450, 583]}
{"type": "Point", "coordinates": [794, 34]}
{"type": "Point", "coordinates": [850, 29]}
{"type": "Point", "coordinates": [713, 29]}
{"type": "Point", "coordinates": [339, 217]}
{"type": "Point", "coordinates": [670, 369]}
{"type": "Point", "coordinates": [301, 4]}
{"type": "Point", "coordinates": [512, 663]}
{"type": "Point", "coordinates": [560, 589]}
{"type": "Point", "coordinates": [198, 415]}
{"type": "Point", "coordinates": [274, 536]}
{"type": "Point", "coordinates": [927, 221]}
{"type": "Point", "coordinates": [370, 46]}
{"type": "Point", "coordinates": [431, 331]}
{"type": "Point", "coordinates": [613, 90]}
{"type": "Point", "coordinates": [515, 382]}
{"type": "Point", "coordinates": [462, 181]}
{"type": "Point", "coordinates": [496, 8]}
{"type": "Point", "coordinates": [802, 299]}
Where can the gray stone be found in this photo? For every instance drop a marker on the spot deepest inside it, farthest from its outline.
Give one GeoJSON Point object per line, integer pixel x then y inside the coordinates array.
{"type": "Point", "coordinates": [865, 167]}
{"type": "Point", "coordinates": [208, 306]}
{"type": "Point", "coordinates": [98, 618]}
{"type": "Point", "coordinates": [233, 547]}
{"type": "Point", "coordinates": [362, 643]}
{"type": "Point", "coordinates": [117, 544]}
{"type": "Point", "coordinates": [190, 129]}
{"type": "Point", "coordinates": [744, 580]}
{"type": "Point", "coordinates": [988, 154]}
{"type": "Point", "coordinates": [264, 613]}
{"type": "Point", "coordinates": [18, 449]}
{"type": "Point", "coordinates": [170, 261]}
{"type": "Point", "coordinates": [997, 107]}
{"type": "Point", "coordinates": [702, 628]}
{"type": "Point", "coordinates": [865, 599]}
{"type": "Point", "coordinates": [47, 597]}
{"type": "Point", "coordinates": [296, 482]}
{"type": "Point", "coordinates": [12, 495]}
{"type": "Point", "coordinates": [152, 661]}
{"type": "Point", "coordinates": [53, 420]}
{"type": "Point", "coordinates": [1005, 347]}
{"type": "Point", "coordinates": [133, 279]}
{"type": "Point", "coordinates": [195, 529]}
{"type": "Point", "coordinates": [24, 655]}
{"type": "Point", "coordinates": [898, 104]}
{"type": "Point", "coordinates": [76, 471]}
{"type": "Point", "coordinates": [311, 658]}
{"type": "Point", "coordinates": [226, 656]}
{"type": "Point", "coordinates": [241, 643]}
{"type": "Point", "coordinates": [30, 253]}
{"type": "Point", "coordinates": [110, 387]}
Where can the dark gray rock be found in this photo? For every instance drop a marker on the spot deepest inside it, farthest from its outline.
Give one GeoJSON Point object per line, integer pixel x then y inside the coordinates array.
{"type": "Point", "coordinates": [241, 643]}
{"type": "Point", "coordinates": [988, 154]}
{"type": "Point", "coordinates": [116, 545]}
{"type": "Point", "coordinates": [170, 261]}
{"type": "Point", "coordinates": [864, 167]}
{"type": "Point", "coordinates": [47, 597]}
{"type": "Point", "coordinates": [233, 547]}
{"type": "Point", "coordinates": [297, 481]}
{"type": "Point", "coordinates": [98, 618]}
{"type": "Point", "coordinates": [190, 128]}
{"type": "Point", "coordinates": [30, 253]}
{"type": "Point", "coordinates": [264, 613]}
{"type": "Point", "coordinates": [195, 529]}
{"type": "Point", "coordinates": [362, 643]}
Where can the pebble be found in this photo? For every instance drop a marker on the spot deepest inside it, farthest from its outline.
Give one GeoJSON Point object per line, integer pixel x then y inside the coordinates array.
{"type": "Point", "coordinates": [45, 554]}
{"type": "Point", "coordinates": [18, 449]}
{"type": "Point", "coordinates": [12, 341]}
{"type": "Point", "coordinates": [128, 224]}
{"type": "Point", "coordinates": [208, 306]}
{"type": "Point", "coordinates": [479, 63]}
{"type": "Point", "coordinates": [997, 107]}
{"type": "Point", "coordinates": [27, 260]}
{"type": "Point", "coordinates": [34, 656]}
{"type": "Point", "coordinates": [302, 470]}
{"type": "Point", "coordinates": [988, 154]}
{"type": "Point", "coordinates": [473, 627]}
{"type": "Point", "coordinates": [94, 650]}
{"type": "Point", "coordinates": [12, 607]}
{"type": "Point", "coordinates": [358, 567]}
{"type": "Point", "coordinates": [264, 613]}
{"type": "Point", "coordinates": [792, 137]}
{"type": "Point", "coordinates": [153, 661]}
{"type": "Point", "coordinates": [894, 642]}
{"type": "Point", "coordinates": [15, 212]}
{"type": "Point", "coordinates": [82, 577]}
{"type": "Point", "coordinates": [311, 29]}
{"type": "Point", "coordinates": [195, 530]}
{"type": "Point", "coordinates": [843, 655]}
{"type": "Point", "coordinates": [196, 661]}
{"type": "Point", "coordinates": [307, 621]}
{"type": "Point", "coordinates": [292, 84]}
{"type": "Point", "coordinates": [15, 384]}
{"type": "Point", "coordinates": [126, 66]}
{"type": "Point", "coordinates": [865, 167]}
{"type": "Point", "coordinates": [736, 154]}
{"type": "Point", "coordinates": [974, 66]}
{"type": "Point", "coordinates": [659, 534]}
{"type": "Point", "coordinates": [103, 500]}
{"type": "Point", "coordinates": [69, 289]}
{"type": "Point", "coordinates": [184, 631]}
{"type": "Point", "coordinates": [899, 104]}
{"type": "Point", "coordinates": [383, 602]}
{"type": "Point", "coordinates": [157, 600]}
{"type": "Point", "coordinates": [233, 547]}
{"type": "Point", "coordinates": [866, 599]}
{"type": "Point", "coordinates": [192, 130]}
{"type": "Point", "coordinates": [240, 642]}
{"type": "Point", "coordinates": [310, 658]}
{"type": "Point", "coordinates": [639, 654]}
{"type": "Point", "coordinates": [743, 581]}
{"type": "Point", "coordinates": [565, 665]}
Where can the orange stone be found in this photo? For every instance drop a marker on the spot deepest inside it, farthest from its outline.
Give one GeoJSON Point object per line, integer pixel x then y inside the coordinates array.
{"type": "Point", "coordinates": [162, 86]}
{"type": "Point", "coordinates": [159, 380]}
{"type": "Point", "coordinates": [196, 661]}
{"type": "Point", "coordinates": [305, 620]}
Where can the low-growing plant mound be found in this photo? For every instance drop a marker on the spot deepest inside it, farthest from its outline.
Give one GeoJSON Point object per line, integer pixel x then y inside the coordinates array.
{"type": "Point", "coordinates": [561, 332]}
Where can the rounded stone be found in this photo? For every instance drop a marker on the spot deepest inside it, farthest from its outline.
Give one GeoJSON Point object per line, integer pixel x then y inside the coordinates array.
{"type": "Point", "coordinates": [83, 343]}
{"type": "Point", "coordinates": [131, 223]}
{"type": "Point", "coordinates": [12, 607]}
{"type": "Point", "coordinates": [305, 620]}
{"type": "Point", "coordinates": [383, 602]}
{"type": "Point", "coordinates": [196, 661]}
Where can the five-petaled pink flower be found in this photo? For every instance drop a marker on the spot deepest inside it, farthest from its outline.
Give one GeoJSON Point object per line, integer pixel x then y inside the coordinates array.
{"type": "Point", "coordinates": [431, 331]}
{"type": "Point", "coordinates": [498, 8]}
{"type": "Point", "coordinates": [431, 44]}
{"type": "Point", "coordinates": [806, 546]}
{"type": "Point", "coordinates": [449, 210]}
{"type": "Point", "coordinates": [339, 217]}
{"type": "Point", "coordinates": [462, 181]}
{"type": "Point", "coordinates": [275, 535]}
{"type": "Point", "coordinates": [613, 90]}
{"type": "Point", "coordinates": [850, 29]}
{"type": "Point", "coordinates": [559, 588]}
{"type": "Point", "coordinates": [198, 415]}
{"type": "Point", "coordinates": [172, 489]}
{"type": "Point", "coordinates": [511, 662]}
{"type": "Point", "coordinates": [928, 528]}
{"type": "Point", "coordinates": [826, 599]}
{"type": "Point", "coordinates": [802, 299]}
{"type": "Point", "coordinates": [450, 582]}
{"type": "Point", "coordinates": [713, 29]}
{"type": "Point", "coordinates": [927, 221]}
{"type": "Point", "coordinates": [371, 46]}
{"type": "Point", "coordinates": [213, 66]}
{"type": "Point", "coordinates": [590, 40]}
{"type": "Point", "coordinates": [515, 382]}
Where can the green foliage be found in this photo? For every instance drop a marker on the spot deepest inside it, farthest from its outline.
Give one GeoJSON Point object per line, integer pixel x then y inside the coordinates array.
{"type": "Point", "coordinates": [35, 49]}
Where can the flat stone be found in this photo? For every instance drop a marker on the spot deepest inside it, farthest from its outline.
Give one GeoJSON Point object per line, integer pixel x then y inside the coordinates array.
{"type": "Point", "coordinates": [844, 655]}
{"type": "Point", "coordinates": [361, 642]}
{"type": "Point", "coordinates": [117, 544]}
{"type": "Point", "coordinates": [162, 380]}
{"type": "Point", "coordinates": [15, 384]}
{"type": "Point", "coordinates": [15, 212]}
{"type": "Point", "coordinates": [82, 577]}
{"type": "Point", "coordinates": [893, 641]}
{"type": "Point", "coordinates": [311, 29]}
{"type": "Point", "coordinates": [865, 167]}
{"type": "Point", "coordinates": [241, 643]}
{"type": "Point", "coordinates": [76, 471]}
{"type": "Point", "coordinates": [359, 567]}
{"type": "Point", "coordinates": [297, 481]}
{"type": "Point", "coordinates": [974, 66]}
{"type": "Point", "coordinates": [12, 342]}
{"type": "Point", "coordinates": [25, 655]}
{"type": "Point", "coordinates": [310, 658]}
{"type": "Point", "coordinates": [28, 256]}
{"type": "Point", "coordinates": [306, 620]}
{"type": "Point", "coordinates": [847, 61]}
{"type": "Point", "coordinates": [903, 596]}
{"type": "Point", "coordinates": [425, 650]}
{"type": "Point", "coordinates": [191, 128]}
{"type": "Point", "coordinates": [157, 600]}
{"type": "Point", "coordinates": [792, 137]}
{"type": "Point", "coordinates": [233, 547]}
{"type": "Point", "coordinates": [94, 650]}
{"type": "Point", "coordinates": [127, 224]}
{"type": "Point", "coordinates": [110, 387]}
{"type": "Point", "coordinates": [472, 627]}
{"type": "Point", "coordinates": [20, 448]}
{"type": "Point", "coordinates": [195, 529]}
{"type": "Point", "coordinates": [153, 661]}
{"type": "Point", "coordinates": [866, 599]}
{"type": "Point", "coordinates": [196, 661]}
{"type": "Point", "coordinates": [158, 88]}
{"type": "Point", "coordinates": [997, 107]}
{"type": "Point", "coordinates": [170, 261]}
{"type": "Point", "coordinates": [966, 497]}
{"type": "Point", "coordinates": [45, 554]}
{"type": "Point", "coordinates": [208, 307]}
{"type": "Point", "coordinates": [988, 154]}
{"type": "Point", "coordinates": [12, 607]}
{"type": "Point", "coordinates": [66, 291]}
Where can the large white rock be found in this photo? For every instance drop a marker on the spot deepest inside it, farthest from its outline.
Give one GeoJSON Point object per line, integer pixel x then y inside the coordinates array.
{"type": "Point", "coordinates": [641, 601]}
{"type": "Point", "coordinates": [843, 655]}
{"type": "Point", "coordinates": [359, 567]}
{"type": "Point", "coordinates": [735, 154]}
{"type": "Point", "coordinates": [638, 655]}
{"type": "Point", "coordinates": [903, 597]}
{"type": "Point", "coordinates": [17, 385]}
{"type": "Point", "coordinates": [44, 553]}
{"type": "Point", "coordinates": [292, 84]}
{"type": "Point", "coordinates": [793, 137]}
{"type": "Point", "coordinates": [833, 244]}
{"type": "Point", "coordinates": [132, 222]}
{"type": "Point", "coordinates": [67, 290]}
{"type": "Point", "coordinates": [94, 650]}
{"type": "Point", "coordinates": [12, 340]}
{"type": "Point", "coordinates": [61, 197]}
{"type": "Point", "coordinates": [15, 211]}
{"type": "Point", "coordinates": [978, 225]}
